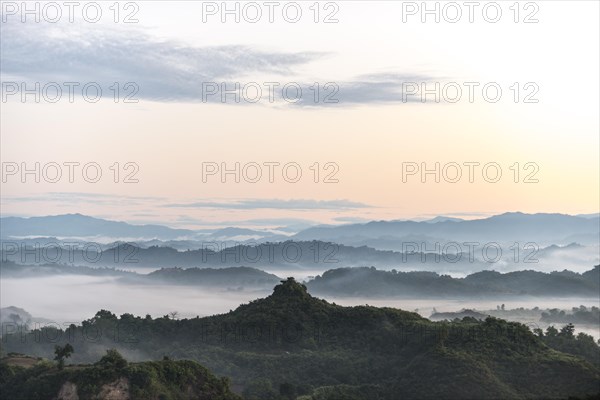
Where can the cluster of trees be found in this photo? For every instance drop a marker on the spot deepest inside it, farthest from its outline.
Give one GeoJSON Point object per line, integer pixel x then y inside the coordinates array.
{"type": "Point", "coordinates": [163, 380]}
{"type": "Point", "coordinates": [565, 340]}
{"type": "Point", "coordinates": [579, 315]}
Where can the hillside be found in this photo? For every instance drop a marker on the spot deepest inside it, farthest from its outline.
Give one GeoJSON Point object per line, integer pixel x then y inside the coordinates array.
{"type": "Point", "coordinates": [311, 347]}
{"type": "Point", "coordinates": [77, 225]}
{"type": "Point", "coordinates": [229, 277]}
{"type": "Point", "coordinates": [371, 282]}
{"type": "Point", "coordinates": [112, 377]}
{"type": "Point", "coordinates": [416, 254]}
{"type": "Point", "coordinates": [288, 254]}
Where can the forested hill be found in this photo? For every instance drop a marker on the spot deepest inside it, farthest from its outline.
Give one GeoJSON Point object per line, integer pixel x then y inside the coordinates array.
{"type": "Point", "coordinates": [112, 377]}
{"type": "Point", "coordinates": [305, 346]}
{"type": "Point", "coordinates": [371, 282]}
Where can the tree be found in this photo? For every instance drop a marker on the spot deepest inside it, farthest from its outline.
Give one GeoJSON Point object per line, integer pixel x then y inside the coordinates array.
{"type": "Point", "coordinates": [551, 331]}
{"type": "Point", "coordinates": [173, 314]}
{"type": "Point", "coordinates": [112, 360]}
{"type": "Point", "coordinates": [567, 330]}
{"type": "Point", "coordinates": [584, 337]}
{"type": "Point", "coordinates": [104, 315]}
{"type": "Point", "coordinates": [62, 353]}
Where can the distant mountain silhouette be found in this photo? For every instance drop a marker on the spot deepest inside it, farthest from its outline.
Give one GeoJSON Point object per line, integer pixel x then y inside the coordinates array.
{"type": "Point", "coordinates": [509, 227]}
{"type": "Point", "coordinates": [544, 229]}
{"type": "Point", "coordinates": [207, 278]}
{"type": "Point", "coordinates": [77, 225]}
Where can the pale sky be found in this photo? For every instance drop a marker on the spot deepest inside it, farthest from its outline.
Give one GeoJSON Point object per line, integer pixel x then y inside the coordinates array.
{"type": "Point", "coordinates": [370, 55]}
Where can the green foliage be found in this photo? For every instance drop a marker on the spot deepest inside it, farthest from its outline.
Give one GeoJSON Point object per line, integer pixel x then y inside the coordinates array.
{"type": "Point", "coordinates": [346, 392]}
{"type": "Point", "coordinates": [61, 353]}
{"type": "Point", "coordinates": [150, 380]}
{"type": "Point", "coordinates": [112, 360]}
{"type": "Point", "coordinates": [565, 340]}
{"type": "Point", "coordinates": [260, 389]}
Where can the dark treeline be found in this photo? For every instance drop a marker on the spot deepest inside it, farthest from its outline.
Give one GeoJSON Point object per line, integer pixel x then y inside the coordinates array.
{"type": "Point", "coordinates": [371, 282]}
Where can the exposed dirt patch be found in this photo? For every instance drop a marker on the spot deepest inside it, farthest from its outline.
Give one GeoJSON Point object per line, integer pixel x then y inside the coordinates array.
{"type": "Point", "coordinates": [68, 391]}
{"type": "Point", "coordinates": [118, 390]}
{"type": "Point", "coordinates": [21, 361]}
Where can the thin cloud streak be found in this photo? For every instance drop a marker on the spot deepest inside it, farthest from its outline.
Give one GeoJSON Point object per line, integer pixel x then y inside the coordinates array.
{"type": "Point", "coordinates": [294, 204]}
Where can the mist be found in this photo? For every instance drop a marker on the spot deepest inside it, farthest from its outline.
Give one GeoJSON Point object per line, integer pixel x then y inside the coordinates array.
{"type": "Point", "coordinates": [72, 299]}
{"type": "Point", "coordinates": [67, 299]}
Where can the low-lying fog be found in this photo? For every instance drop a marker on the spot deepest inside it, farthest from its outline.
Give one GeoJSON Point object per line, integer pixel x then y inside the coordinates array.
{"type": "Point", "coordinates": [71, 299]}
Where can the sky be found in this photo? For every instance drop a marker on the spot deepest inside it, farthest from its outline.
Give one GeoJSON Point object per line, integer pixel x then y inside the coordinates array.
{"type": "Point", "coordinates": [352, 150]}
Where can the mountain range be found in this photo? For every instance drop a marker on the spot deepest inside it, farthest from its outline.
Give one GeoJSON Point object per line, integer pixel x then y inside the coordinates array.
{"type": "Point", "coordinates": [543, 229]}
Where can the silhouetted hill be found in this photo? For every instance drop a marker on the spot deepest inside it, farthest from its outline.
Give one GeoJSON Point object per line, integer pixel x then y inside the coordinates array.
{"type": "Point", "coordinates": [77, 225]}
{"type": "Point", "coordinates": [370, 282]}
{"type": "Point", "coordinates": [219, 278]}
{"type": "Point", "coordinates": [593, 275]}
{"type": "Point", "coordinates": [508, 227]}
{"type": "Point", "coordinates": [287, 254]}
{"type": "Point", "coordinates": [359, 281]}
{"type": "Point", "coordinates": [210, 277]}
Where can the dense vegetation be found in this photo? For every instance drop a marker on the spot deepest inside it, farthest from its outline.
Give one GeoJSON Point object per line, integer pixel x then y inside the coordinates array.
{"type": "Point", "coordinates": [579, 315]}
{"type": "Point", "coordinates": [291, 344]}
{"type": "Point", "coordinates": [110, 377]}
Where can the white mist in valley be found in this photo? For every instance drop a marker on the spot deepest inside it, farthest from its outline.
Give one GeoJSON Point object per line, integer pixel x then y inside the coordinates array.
{"type": "Point", "coordinates": [69, 299]}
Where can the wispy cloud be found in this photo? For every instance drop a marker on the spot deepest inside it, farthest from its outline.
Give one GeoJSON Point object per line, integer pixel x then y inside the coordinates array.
{"type": "Point", "coordinates": [165, 70]}
{"type": "Point", "coordinates": [378, 88]}
{"type": "Point", "coordinates": [351, 219]}
{"type": "Point", "coordinates": [294, 204]}
{"type": "Point", "coordinates": [172, 71]}
{"type": "Point", "coordinates": [70, 198]}
{"type": "Point", "coordinates": [280, 221]}
{"type": "Point", "coordinates": [466, 214]}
